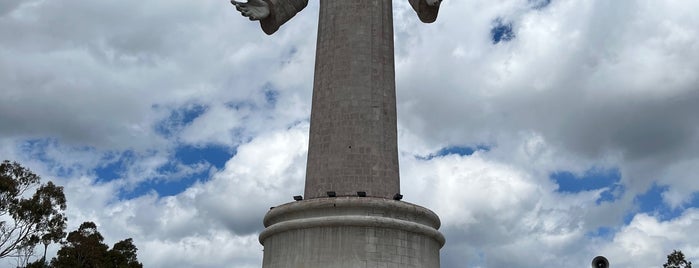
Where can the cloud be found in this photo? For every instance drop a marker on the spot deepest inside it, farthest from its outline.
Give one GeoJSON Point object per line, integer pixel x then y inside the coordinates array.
{"type": "Point", "coordinates": [646, 241]}
{"type": "Point", "coordinates": [208, 250]}
{"type": "Point", "coordinates": [585, 76]}
{"type": "Point", "coordinates": [64, 74]}
{"type": "Point", "coordinates": [218, 217]}
{"type": "Point", "coordinates": [266, 172]}
{"type": "Point", "coordinates": [582, 85]}
{"type": "Point", "coordinates": [497, 215]}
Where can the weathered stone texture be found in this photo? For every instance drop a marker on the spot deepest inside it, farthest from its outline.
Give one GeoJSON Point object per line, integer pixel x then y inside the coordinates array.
{"type": "Point", "coordinates": [352, 148]}
{"type": "Point", "coordinates": [351, 232]}
{"type": "Point", "coordinates": [353, 144]}
{"type": "Point", "coordinates": [280, 12]}
{"type": "Point", "coordinates": [350, 247]}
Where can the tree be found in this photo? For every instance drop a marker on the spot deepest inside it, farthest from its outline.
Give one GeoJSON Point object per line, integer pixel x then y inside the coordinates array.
{"type": "Point", "coordinates": [40, 263]}
{"type": "Point", "coordinates": [28, 219]}
{"type": "Point", "coordinates": [84, 248]}
{"type": "Point", "coordinates": [676, 260]}
{"type": "Point", "coordinates": [123, 255]}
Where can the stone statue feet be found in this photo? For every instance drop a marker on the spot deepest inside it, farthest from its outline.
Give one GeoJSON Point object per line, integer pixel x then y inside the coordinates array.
{"type": "Point", "coordinates": [253, 9]}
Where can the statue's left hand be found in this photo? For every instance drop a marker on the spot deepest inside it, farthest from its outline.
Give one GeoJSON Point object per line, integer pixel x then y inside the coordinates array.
{"type": "Point", "coordinates": [253, 9]}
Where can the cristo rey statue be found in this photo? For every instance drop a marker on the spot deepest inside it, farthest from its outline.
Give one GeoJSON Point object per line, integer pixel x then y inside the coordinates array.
{"type": "Point", "coordinates": [352, 215]}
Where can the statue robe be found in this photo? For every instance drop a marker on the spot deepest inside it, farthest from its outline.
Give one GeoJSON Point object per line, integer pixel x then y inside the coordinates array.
{"type": "Point", "coordinates": [282, 11]}
{"type": "Point", "coordinates": [426, 13]}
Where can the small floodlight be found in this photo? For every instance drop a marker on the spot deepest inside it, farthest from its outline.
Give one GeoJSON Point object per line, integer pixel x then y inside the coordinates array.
{"type": "Point", "coordinates": [361, 194]}
{"type": "Point", "coordinates": [600, 262]}
{"type": "Point", "coordinates": [397, 197]}
{"type": "Point", "coordinates": [298, 197]}
{"type": "Point", "coordinates": [331, 194]}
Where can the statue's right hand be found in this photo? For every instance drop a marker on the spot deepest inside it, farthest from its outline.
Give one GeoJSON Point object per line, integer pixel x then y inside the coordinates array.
{"type": "Point", "coordinates": [253, 9]}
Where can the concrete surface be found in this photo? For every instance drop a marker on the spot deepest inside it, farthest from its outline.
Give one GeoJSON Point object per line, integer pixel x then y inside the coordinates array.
{"type": "Point", "coordinates": [351, 232]}
{"type": "Point", "coordinates": [353, 148]}
{"type": "Point", "coordinates": [353, 144]}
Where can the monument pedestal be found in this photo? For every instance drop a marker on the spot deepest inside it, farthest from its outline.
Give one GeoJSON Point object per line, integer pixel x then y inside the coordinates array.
{"type": "Point", "coordinates": [351, 232]}
{"type": "Point", "coordinates": [352, 148]}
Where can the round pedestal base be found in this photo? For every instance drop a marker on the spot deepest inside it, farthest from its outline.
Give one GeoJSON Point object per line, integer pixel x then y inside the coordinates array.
{"type": "Point", "coordinates": [351, 232]}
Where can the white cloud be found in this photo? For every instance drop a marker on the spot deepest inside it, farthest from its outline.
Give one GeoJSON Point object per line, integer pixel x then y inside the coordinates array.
{"type": "Point", "coordinates": [214, 221]}
{"type": "Point", "coordinates": [596, 80]}
{"type": "Point", "coordinates": [646, 241]}
{"type": "Point", "coordinates": [584, 84]}
{"type": "Point", "coordinates": [207, 250]}
{"type": "Point", "coordinates": [497, 215]}
{"type": "Point", "coordinates": [683, 180]}
{"type": "Point", "coordinates": [266, 172]}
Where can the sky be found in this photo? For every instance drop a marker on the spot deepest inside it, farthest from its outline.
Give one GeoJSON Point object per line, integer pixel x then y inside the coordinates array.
{"type": "Point", "coordinates": [542, 132]}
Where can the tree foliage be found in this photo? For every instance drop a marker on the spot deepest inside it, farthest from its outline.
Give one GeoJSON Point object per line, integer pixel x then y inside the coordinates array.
{"type": "Point", "coordinates": [123, 255]}
{"type": "Point", "coordinates": [676, 260]}
{"type": "Point", "coordinates": [85, 248]}
{"type": "Point", "coordinates": [27, 219]}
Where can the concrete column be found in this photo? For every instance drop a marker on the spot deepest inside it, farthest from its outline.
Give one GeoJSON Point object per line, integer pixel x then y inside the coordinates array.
{"type": "Point", "coordinates": [353, 144]}
{"type": "Point", "coordinates": [352, 148]}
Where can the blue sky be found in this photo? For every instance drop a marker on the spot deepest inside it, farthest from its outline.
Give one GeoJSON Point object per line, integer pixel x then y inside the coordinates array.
{"type": "Point", "coordinates": [552, 131]}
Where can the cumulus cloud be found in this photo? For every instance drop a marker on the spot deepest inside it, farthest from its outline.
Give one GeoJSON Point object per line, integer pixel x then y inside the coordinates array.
{"type": "Point", "coordinates": [214, 221]}
{"type": "Point", "coordinates": [646, 240]}
{"type": "Point", "coordinates": [581, 85]}
{"type": "Point", "coordinates": [491, 209]}
{"type": "Point", "coordinates": [597, 80]}
{"type": "Point", "coordinates": [70, 66]}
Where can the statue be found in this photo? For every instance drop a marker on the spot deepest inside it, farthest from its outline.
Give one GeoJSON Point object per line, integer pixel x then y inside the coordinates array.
{"type": "Point", "coordinates": [351, 213]}
{"type": "Point", "coordinates": [274, 13]}
{"type": "Point", "coordinates": [352, 143]}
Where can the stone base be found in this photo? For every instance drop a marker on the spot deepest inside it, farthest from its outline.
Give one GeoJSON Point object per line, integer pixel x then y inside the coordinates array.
{"type": "Point", "coordinates": [351, 232]}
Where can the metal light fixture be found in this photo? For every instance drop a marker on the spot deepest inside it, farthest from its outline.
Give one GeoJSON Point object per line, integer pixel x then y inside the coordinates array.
{"type": "Point", "coordinates": [600, 262]}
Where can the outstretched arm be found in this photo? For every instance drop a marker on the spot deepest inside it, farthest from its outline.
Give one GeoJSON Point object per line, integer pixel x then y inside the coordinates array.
{"type": "Point", "coordinates": [271, 13]}
{"type": "Point", "coordinates": [253, 9]}
{"type": "Point", "coordinates": [427, 10]}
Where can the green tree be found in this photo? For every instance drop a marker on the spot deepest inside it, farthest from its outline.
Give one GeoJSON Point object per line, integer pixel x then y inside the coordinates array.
{"type": "Point", "coordinates": [123, 255]}
{"type": "Point", "coordinates": [676, 260]}
{"type": "Point", "coordinates": [40, 263]}
{"type": "Point", "coordinates": [28, 218]}
{"type": "Point", "coordinates": [84, 248]}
